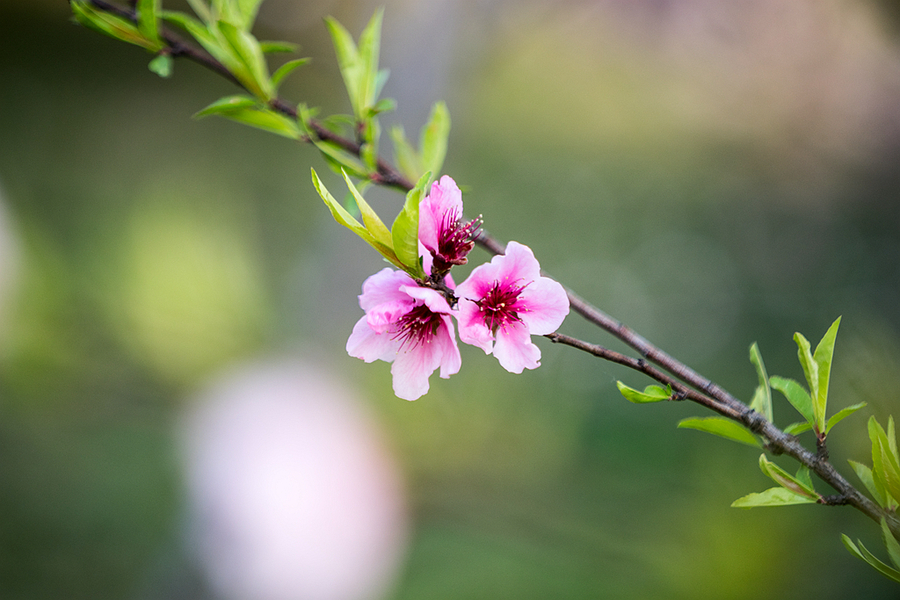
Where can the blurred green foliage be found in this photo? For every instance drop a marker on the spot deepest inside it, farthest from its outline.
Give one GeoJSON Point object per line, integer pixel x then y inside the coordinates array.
{"type": "Point", "coordinates": [155, 250]}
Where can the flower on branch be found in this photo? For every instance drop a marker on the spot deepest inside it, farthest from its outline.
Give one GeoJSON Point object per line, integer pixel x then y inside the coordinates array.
{"type": "Point", "coordinates": [442, 230]}
{"type": "Point", "coordinates": [506, 301]}
{"type": "Point", "coordinates": [407, 325]}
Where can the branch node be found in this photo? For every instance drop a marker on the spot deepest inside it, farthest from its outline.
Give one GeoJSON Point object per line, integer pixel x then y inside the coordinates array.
{"type": "Point", "coordinates": [834, 500]}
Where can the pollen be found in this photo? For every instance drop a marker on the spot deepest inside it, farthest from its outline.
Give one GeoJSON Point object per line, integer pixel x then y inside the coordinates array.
{"type": "Point", "coordinates": [499, 305]}
{"type": "Point", "coordinates": [417, 327]}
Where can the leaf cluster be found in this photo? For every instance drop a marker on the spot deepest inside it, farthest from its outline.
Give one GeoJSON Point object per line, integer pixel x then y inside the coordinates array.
{"type": "Point", "coordinates": [399, 245]}
{"type": "Point", "coordinates": [811, 405]}
{"type": "Point", "coordinates": [882, 481]}
{"type": "Point", "coordinates": [143, 32]}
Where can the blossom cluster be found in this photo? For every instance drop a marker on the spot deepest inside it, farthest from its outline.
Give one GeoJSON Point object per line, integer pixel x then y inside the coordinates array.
{"type": "Point", "coordinates": [498, 308]}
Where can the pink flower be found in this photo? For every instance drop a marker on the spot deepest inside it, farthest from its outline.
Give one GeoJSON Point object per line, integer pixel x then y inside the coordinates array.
{"type": "Point", "coordinates": [408, 325]}
{"type": "Point", "coordinates": [504, 302]}
{"type": "Point", "coordinates": [442, 231]}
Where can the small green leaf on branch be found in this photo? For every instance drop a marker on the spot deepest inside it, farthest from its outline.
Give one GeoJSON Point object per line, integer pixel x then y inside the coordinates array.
{"type": "Point", "coordinates": [762, 398]}
{"type": "Point", "coordinates": [405, 229]}
{"type": "Point", "coordinates": [865, 475]}
{"type": "Point", "coordinates": [113, 26]}
{"type": "Point", "coordinates": [433, 138]}
{"type": "Point", "coordinates": [343, 217]}
{"type": "Point", "coordinates": [885, 464]}
{"type": "Point", "coordinates": [841, 415]}
{"type": "Point", "coordinates": [375, 226]}
{"type": "Point", "coordinates": [862, 553]}
{"type": "Point", "coordinates": [811, 371]}
{"type": "Point", "coordinates": [161, 65]}
{"type": "Point", "coordinates": [801, 484]}
{"type": "Point", "coordinates": [798, 428]}
{"type": "Point", "coordinates": [824, 356]}
{"type": "Point", "coordinates": [721, 427]}
{"type": "Point", "coordinates": [359, 65]}
{"type": "Point", "coordinates": [777, 496]}
{"type": "Point", "coordinates": [796, 395]}
{"type": "Point", "coordinates": [285, 69]}
{"type": "Point", "coordinates": [147, 20]}
{"type": "Point", "coordinates": [652, 393]}
{"type": "Point", "coordinates": [249, 111]}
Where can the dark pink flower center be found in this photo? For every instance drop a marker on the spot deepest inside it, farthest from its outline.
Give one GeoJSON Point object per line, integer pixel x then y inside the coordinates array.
{"type": "Point", "coordinates": [499, 306]}
{"type": "Point", "coordinates": [454, 241]}
{"type": "Point", "coordinates": [417, 327]}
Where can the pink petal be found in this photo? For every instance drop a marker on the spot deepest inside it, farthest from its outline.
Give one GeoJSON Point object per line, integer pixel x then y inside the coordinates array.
{"type": "Point", "coordinates": [519, 263]}
{"type": "Point", "coordinates": [382, 316]}
{"type": "Point", "coordinates": [472, 329]}
{"type": "Point", "coordinates": [370, 346]}
{"type": "Point", "coordinates": [543, 306]}
{"type": "Point", "coordinates": [479, 281]}
{"type": "Point", "coordinates": [433, 299]}
{"type": "Point", "coordinates": [384, 286]}
{"type": "Point", "coordinates": [444, 197]}
{"type": "Point", "coordinates": [451, 360]}
{"type": "Point", "coordinates": [514, 349]}
{"type": "Point", "coordinates": [412, 367]}
{"type": "Point", "coordinates": [410, 375]}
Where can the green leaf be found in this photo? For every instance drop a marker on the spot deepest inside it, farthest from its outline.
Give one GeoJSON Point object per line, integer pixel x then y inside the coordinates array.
{"type": "Point", "coordinates": [804, 477]}
{"type": "Point", "coordinates": [405, 230]}
{"type": "Point", "coordinates": [382, 106]}
{"type": "Point", "coordinates": [786, 480]}
{"type": "Point", "coordinates": [722, 427]}
{"type": "Point", "coordinates": [359, 65]}
{"type": "Point", "coordinates": [762, 398]}
{"type": "Point", "coordinates": [147, 20]}
{"type": "Point", "coordinates": [796, 395]}
{"type": "Point", "coordinates": [344, 218]}
{"type": "Point", "coordinates": [823, 356]}
{"type": "Point", "coordinates": [373, 223]}
{"type": "Point", "coordinates": [890, 543]}
{"type": "Point", "coordinates": [210, 38]}
{"type": "Point", "coordinates": [272, 47]}
{"type": "Point", "coordinates": [191, 25]}
{"type": "Point", "coordinates": [892, 437]}
{"type": "Point", "coordinates": [842, 414]}
{"type": "Point", "coordinates": [240, 13]}
{"type": "Point", "coordinates": [227, 104]}
{"type": "Point", "coordinates": [777, 496]}
{"type": "Point", "coordinates": [865, 475]}
{"type": "Point", "coordinates": [161, 65]}
{"type": "Point", "coordinates": [652, 393]}
{"type": "Point", "coordinates": [371, 80]}
{"type": "Point", "coordinates": [433, 139]}
{"type": "Point", "coordinates": [885, 466]}
{"type": "Point", "coordinates": [112, 25]}
{"type": "Point", "coordinates": [285, 69]}
{"type": "Point", "coordinates": [380, 80]}
{"type": "Point", "coordinates": [798, 428]}
{"type": "Point", "coordinates": [339, 158]}
{"type": "Point", "coordinates": [349, 62]}
{"type": "Point", "coordinates": [405, 155]}
{"type": "Point", "coordinates": [245, 48]}
{"type": "Point", "coordinates": [369, 155]}
{"type": "Point", "coordinates": [201, 9]}
{"type": "Point", "coordinates": [851, 547]}
{"type": "Point", "coordinates": [248, 111]}
{"type": "Point", "coordinates": [811, 371]}
{"type": "Point", "coordinates": [864, 554]}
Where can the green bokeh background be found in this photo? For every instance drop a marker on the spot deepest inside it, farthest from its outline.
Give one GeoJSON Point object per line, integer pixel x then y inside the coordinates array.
{"type": "Point", "coordinates": [711, 183]}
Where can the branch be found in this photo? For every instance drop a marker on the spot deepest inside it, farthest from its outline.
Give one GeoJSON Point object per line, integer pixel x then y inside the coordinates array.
{"type": "Point", "coordinates": [686, 383]}
{"type": "Point", "coordinates": [177, 47]}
